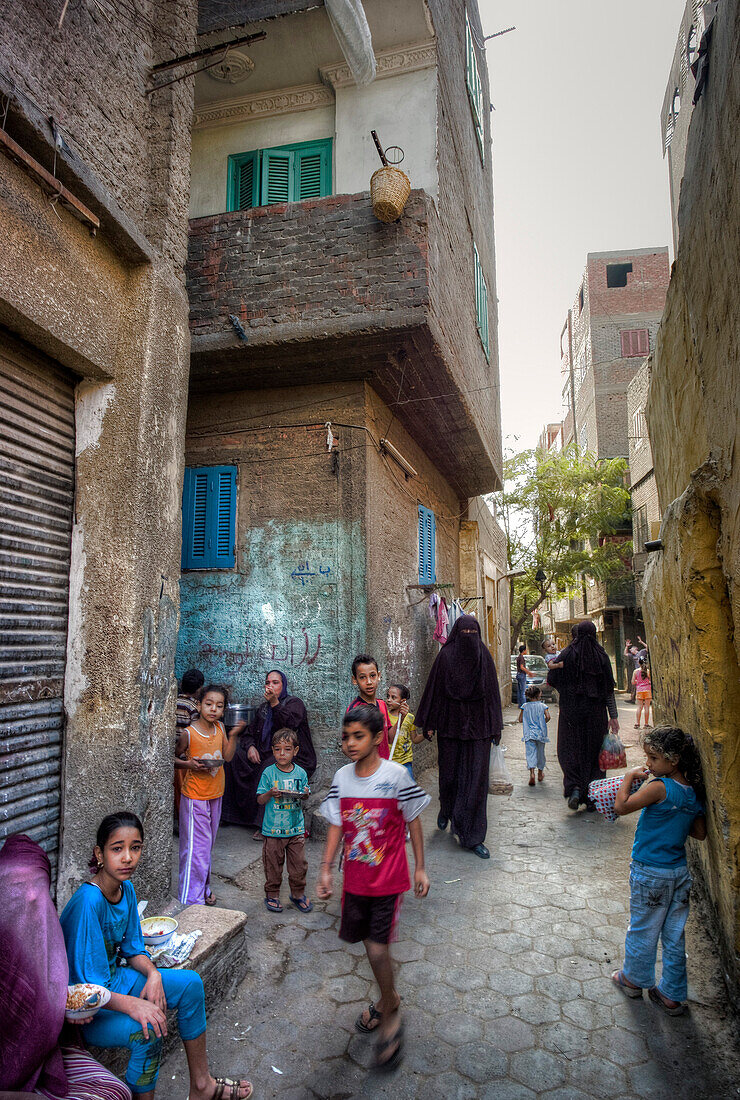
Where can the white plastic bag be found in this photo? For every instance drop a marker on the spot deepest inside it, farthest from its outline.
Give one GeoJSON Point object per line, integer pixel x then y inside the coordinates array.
{"type": "Point", "coordinates": [499, 780]}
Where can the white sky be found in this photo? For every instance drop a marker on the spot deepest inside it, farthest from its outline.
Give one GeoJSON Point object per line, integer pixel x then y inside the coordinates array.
{"type": "Point", "coordinates": [577, 168]}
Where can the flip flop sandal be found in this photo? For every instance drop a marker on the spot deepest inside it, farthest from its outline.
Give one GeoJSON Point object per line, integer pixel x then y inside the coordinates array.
{"type": "Point", "coordinates": [393, 1061]}
{"type": "Point", "coordinates": [273, 905]}
{"type": "Point", "coordinates": [620, 983]}
{"type": "Point", "coordinates": [360, 1024]}
{"type": "Point", "coordinates": [210, 899]}
{"type": "Point", "coordinates": [670, 1010]}
{"type": "Point", "coordinates": [224, 1083]}
{"type": "Point", "coordinates": [257, 835]}
{"type": "Point", "coordinates": [302, 903]}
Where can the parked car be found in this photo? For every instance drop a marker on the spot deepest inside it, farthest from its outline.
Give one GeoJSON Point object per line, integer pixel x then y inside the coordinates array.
{"type": "Point", "coordinates": [538, 666]}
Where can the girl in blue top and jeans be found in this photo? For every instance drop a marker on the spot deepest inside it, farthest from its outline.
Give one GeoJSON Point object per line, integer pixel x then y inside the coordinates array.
{"type": "Point", "coordinates": [672, 805]}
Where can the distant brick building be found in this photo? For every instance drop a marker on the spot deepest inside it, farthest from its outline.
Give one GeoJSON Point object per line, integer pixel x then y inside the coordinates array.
{"type": "Point", "coordinates": [609, 331]}
{"type": "Point", "coordinates": [307, 311]}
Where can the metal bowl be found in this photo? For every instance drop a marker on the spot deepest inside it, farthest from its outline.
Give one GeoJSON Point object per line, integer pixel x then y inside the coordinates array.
{"type": "Point", "coordinates": [238, 712]}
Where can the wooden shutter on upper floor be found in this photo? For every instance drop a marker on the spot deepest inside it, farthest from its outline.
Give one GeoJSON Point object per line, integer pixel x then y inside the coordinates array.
{"type": "Point", "coordinates": [634, 342]}
{"type": "Point", "coordinates": [209, 517]}
{"type": "Point", "coordinates": [427, 540]}
{"type": "Point", "coordinates": [243, 182]}
{"type": "Point", "coordinates": [277, 170]}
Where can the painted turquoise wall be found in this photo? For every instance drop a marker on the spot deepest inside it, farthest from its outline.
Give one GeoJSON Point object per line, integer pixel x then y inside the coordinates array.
{"type": "Point", "coordinates": [296, 602]}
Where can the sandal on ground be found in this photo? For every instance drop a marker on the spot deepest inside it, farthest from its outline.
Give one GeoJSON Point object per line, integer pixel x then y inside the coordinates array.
{"type": "Point", "coordinates": [257, 835]}
{"type": "Point", "coordinates": [675, 1009]}
{"type": "Point", "coordinates": [273, 904]}
{"type": "Point", "coordinates": [374, 1015]}
{"type": "Point", "coordinates": [302, 903]}
{"type": "Point", "coordinates": [393, 1060]}
{"type": "Point", "coordinates": [540, 775]}
{"type": "Point", "coordinates": [210, 899]}
{"type": "Point", "coordinates": [621, 982]}
{"type": "Point", "coordinates": [234, 1087]}
{"type": "Point", "coordinates": [574, 800]}
{"type": "Point", "coordinates": [531, 781]}
{"type": "Point", "coordinates": [636, 727]}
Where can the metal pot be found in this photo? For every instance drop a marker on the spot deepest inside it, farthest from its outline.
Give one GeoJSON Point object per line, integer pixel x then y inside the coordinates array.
{"type": "Point", "coordinates": [238, 712]}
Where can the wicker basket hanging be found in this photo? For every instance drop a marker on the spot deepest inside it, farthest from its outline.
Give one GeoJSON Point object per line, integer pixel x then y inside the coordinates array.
{"type": "Point", "coordinates": [389, 192]}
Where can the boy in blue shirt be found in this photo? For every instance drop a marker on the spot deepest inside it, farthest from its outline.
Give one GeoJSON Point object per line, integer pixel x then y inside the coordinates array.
{"type": "Point", "coordinates": [283, 786]}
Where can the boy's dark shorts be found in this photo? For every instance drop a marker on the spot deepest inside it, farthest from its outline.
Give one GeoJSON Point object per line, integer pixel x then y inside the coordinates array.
{"type": "Point", "coordinates": [369, 918]}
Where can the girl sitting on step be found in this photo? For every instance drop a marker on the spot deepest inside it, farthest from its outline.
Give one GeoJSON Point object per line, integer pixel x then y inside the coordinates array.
{"type": "Point", "coordinates": [100, 921]}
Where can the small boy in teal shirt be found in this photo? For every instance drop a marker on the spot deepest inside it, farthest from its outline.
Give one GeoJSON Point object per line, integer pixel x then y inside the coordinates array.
{"type": "Point", "coordinates": [283, 786]}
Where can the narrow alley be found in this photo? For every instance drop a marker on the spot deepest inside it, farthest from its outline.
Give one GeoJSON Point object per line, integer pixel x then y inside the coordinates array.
{"type": "Point", "coordinates": [503, 970]}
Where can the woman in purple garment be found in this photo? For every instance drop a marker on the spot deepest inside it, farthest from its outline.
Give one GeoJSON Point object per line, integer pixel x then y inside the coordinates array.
{"type": "Point", "coordinates": [280, 710]}
{"type": "Point", "coordinates": [39, 1054]}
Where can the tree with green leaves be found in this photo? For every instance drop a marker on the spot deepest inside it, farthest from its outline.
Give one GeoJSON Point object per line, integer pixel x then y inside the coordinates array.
{"type": "Point", "coordinates": [565, 516]}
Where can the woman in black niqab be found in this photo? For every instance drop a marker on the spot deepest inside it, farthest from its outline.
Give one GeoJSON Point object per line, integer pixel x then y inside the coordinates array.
{"type": "Point", "coordinates": [585, 685]}
{"type": "Point", "coordinates": [462, 704]}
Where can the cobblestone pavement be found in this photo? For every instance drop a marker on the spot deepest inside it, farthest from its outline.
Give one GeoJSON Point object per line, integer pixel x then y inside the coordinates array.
{"type": "Point", "coordinates": [503, 970]}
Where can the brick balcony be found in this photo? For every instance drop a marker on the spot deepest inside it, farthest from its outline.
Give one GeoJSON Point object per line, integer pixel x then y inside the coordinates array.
{"type": "Point", "coordinates": [326, 292]}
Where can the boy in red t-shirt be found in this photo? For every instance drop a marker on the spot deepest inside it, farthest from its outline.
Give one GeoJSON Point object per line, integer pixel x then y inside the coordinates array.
{"type": "Point", "coordinates": [366, 678]}
{"type": "Point", "coordinates": [369, 804]}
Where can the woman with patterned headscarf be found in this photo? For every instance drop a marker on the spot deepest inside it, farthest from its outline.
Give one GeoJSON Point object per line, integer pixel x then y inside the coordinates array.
{"type": "Point", "coordinates": [462, 703]}
{"type": "Point", "coordinates": [280, 710]}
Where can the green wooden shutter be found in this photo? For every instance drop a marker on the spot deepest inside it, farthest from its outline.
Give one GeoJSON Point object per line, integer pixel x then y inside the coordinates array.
{"type": "Point", "coordinates": [427, 540]}
{"type": "Point", "coordinates": [243, 180]}
{"type": "Point", "coordinates": [481, 302]}
{"type": "Point", "coordinates": [208, 517]}
{"type": "Point", "coordinates": [277, 171]}
{"type": "Point", "coordinates": [313, 170]}
{"type": "Point", "coordinates": [474, 86]}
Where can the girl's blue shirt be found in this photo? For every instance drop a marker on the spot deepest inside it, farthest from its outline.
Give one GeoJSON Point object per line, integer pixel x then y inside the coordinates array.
{"type": "Point", "coordinates": [534, 723]}
{"type": "Point", "coordinates": [660, 837]}
{"type": "Point", "coordinates": [94, 931]}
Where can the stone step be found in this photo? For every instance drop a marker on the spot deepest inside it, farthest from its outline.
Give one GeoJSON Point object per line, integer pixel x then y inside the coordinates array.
{"type": "Point", "coordinates": [220, 956]}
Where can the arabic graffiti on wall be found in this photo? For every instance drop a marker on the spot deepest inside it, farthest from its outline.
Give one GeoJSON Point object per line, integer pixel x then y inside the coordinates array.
{"type": "Point", "coordinates": [288, 604]}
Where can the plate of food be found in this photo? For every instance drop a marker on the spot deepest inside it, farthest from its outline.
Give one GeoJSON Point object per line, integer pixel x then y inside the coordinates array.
{"type": "Point", "coordinates": [84, 999]}
{"type": "Point", "coordinates": [157, 930]}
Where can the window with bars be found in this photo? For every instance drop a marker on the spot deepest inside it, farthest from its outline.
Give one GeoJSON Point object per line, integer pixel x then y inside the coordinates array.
{"type": "Point", "coordinates": [209, 517]}
{"type": "Point", "coordinates": [634, 341]}
{"type": "Point", "coordinates": [287, 173]}
{"type": "Point", "coordinates": [481, 302]}
{"type": "Point", "coordinates": [639, 428]}
{"type": "Point", "coordinates": [427, 541]}
{"type": "Point", "coordinates": [474, 86]}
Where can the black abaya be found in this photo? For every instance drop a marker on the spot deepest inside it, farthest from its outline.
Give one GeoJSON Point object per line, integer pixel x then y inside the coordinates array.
{"type": "Point", "coordinates": [585, 683]}
{"type": "Point", "coordinates": [240, 806]}
{"type": "Point", "coordinates": [461, 701]}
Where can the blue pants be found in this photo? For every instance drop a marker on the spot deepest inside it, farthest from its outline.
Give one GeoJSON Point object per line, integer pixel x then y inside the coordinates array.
{"type": "Point", "coordinates": [521, 687]}
{"type": "Point", "coordinates": [184, 992]}
{"type": "Point", "coordinates": [535, 751]}
{"type": "Point", "coordinates": [659, 907]}
{"type": "Point", "coordinates": [409, 768]}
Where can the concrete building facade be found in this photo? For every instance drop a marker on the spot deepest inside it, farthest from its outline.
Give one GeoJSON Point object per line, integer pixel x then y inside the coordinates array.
{"type": "Point", "coordinates": [344, 371]}
{"type": "Point", "coordinates": [609, 330]}
{"type": "Point", "coordinates": [94, 349]}
{"type": "Point", "coordinates": [691, 598]}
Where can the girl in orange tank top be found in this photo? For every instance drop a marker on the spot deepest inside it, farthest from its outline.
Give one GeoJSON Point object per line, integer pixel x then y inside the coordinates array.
{"type": "Point", "coordinates": [203, 747]}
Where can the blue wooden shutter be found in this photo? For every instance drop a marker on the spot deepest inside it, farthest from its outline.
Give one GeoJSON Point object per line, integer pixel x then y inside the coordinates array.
{"type": "Point", "coordinates": [481, 301]}
{"type": "Point", "coordinates": [208, 517]}
{"type": "Point", "coordinates": [243, 181]}
{"type": "Point", "coordinates": [427, 540]}
{"type": "Point", "coordinates": [277, 172]}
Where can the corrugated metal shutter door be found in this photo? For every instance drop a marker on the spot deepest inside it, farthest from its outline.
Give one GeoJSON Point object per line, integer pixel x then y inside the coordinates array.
{"type": "Point", "coordinates": [37, 494]}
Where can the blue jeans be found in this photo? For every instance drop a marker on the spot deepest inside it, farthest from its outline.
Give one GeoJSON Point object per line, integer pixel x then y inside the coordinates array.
{"type": "Point", "coordinates": [521, 687]}
{"type": "Point", "coordinates": [659, 907]}
{"type": "Point", "coordinates": [184, 992]}
{"type": "Point", "coordinates": [535, 751]}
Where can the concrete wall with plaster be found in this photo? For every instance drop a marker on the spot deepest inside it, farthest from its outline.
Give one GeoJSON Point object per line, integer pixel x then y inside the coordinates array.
{"type": "Point", "coordinates": [691, 596]}
{"type": "Point", "coordinates": [113, 310]}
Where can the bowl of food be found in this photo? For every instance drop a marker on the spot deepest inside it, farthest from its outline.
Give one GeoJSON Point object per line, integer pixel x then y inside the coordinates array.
{"type": "Point", "coordinates": [157, 930]}
{"type": "Point", "coordinates": [85, 999]}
